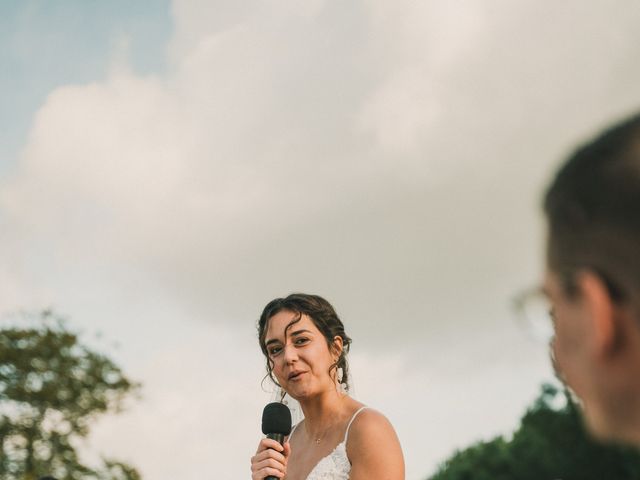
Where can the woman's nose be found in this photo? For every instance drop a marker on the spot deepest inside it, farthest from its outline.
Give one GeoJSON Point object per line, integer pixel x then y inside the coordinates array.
{"type": "Point", "coordinates": [289, 353]}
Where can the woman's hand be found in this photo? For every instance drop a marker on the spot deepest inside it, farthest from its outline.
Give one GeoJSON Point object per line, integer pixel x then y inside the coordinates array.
{"type": "Point", "coordinates": [270, 460]}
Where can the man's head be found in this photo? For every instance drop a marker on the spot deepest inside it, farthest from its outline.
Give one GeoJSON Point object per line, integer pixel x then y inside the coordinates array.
{"type": "Point", "coordinates": [593, 278]}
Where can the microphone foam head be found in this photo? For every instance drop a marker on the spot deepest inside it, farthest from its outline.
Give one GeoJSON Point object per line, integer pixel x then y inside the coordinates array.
{"type": "Point", "coordinates": [276, 418]}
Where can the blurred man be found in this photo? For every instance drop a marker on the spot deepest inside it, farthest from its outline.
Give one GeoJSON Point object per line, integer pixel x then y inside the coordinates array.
{"type": "Point", "coordinates": [593, 279]}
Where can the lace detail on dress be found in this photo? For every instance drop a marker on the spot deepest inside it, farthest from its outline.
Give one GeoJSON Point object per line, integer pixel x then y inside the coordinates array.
{"type": "Point", "coordinates": [336, 465]}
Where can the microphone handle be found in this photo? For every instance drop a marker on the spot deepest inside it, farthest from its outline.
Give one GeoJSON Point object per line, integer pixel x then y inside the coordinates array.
{"type": "Point", "coordinates": [278, 437]}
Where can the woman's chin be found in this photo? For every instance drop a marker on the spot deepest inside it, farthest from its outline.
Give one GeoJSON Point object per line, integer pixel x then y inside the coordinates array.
{"type": "Point", "coordinates": [299, 394]}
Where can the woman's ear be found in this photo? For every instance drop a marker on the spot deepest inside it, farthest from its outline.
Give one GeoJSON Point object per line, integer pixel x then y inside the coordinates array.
{"type": "Point", "coordinates": [337, 345]}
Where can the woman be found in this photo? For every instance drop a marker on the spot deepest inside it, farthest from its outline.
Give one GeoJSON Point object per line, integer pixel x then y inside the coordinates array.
{"type": "Point", "coordinates": [339, 439]}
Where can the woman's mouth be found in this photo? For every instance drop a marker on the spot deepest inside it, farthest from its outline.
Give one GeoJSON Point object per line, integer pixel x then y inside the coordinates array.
{"type": "Point", "coordinates": [295, 375]}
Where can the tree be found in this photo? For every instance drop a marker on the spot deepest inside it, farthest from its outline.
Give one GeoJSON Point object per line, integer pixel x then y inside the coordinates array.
{"type": "Point", "coordinates": [551, 443]}
{"type": "Point", "coordinates": [52, 387]}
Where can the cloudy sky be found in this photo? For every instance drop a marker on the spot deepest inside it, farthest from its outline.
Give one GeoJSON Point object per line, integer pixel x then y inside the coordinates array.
{"type": "Point", "coordinates": [166, 168]}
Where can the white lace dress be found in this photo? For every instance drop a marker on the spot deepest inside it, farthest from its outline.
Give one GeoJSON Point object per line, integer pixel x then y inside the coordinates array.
{"type": "Point", "coordinates": [336, 465]}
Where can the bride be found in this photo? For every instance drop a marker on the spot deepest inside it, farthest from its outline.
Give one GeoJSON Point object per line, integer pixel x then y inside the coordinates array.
{"type": "Point", "coordinates": [305, 346]}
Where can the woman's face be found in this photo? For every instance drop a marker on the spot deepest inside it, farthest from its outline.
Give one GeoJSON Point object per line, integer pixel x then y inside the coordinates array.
{"type": "Point", "coordinates": [301, 359]}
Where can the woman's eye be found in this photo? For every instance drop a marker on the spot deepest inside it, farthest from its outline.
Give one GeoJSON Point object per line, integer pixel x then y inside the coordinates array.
{"type": "Point", "coordinates": [275, 350]}
{"type": "Point", "coordinates": [301, 341]}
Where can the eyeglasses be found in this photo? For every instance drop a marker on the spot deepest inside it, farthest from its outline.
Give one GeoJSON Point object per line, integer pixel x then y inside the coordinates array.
{"type": "Point", "coordinates": [534, 312]}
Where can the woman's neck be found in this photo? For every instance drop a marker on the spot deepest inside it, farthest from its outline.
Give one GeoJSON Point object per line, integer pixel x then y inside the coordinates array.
{"type": "Point", "coordinates": [321, 411]}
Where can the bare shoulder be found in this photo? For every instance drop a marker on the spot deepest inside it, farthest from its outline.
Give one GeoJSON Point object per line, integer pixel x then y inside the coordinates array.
{"type": "Point", "coordinates": [373, 447]}
{"type": "Point", "coordinates": [368, 423]}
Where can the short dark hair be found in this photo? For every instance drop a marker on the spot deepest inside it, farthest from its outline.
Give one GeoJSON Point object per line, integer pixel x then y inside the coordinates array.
{"type": "Point", "coordinates": [321, 313]}
{"type": "Point", "coordinates": [593, 210]}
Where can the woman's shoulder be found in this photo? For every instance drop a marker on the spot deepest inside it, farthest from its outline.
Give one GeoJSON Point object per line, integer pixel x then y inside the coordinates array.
{"type": "Point", "coordinates": [373, 447]}
{"type": "Point", "coordinates": [368, 423]}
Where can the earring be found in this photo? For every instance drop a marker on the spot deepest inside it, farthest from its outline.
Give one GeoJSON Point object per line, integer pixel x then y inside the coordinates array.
{"type": "Point", "coordinates": [281, 394]}
{"type": "Point", "coordinates": [342, 387]}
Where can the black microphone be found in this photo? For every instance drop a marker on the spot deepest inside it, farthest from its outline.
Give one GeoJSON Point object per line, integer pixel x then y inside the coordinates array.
{"type": "Point", "coordinates": [276, 424]}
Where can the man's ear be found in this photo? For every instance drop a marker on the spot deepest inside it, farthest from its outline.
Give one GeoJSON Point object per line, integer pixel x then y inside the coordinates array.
{"type": "Point", "coordinates": [600, 309]}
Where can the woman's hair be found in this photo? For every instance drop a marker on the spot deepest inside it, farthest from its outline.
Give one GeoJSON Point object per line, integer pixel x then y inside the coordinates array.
{"type": "Point", "coordinates": [321, 313]}
{"type": "Point", "coordinates": [593, 210]}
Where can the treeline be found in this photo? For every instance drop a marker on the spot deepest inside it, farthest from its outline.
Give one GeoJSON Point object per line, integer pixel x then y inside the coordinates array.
{"type": "Point", "coordinates": [52, 387]}
{"type": "Point", "coordinates": [550, 444]}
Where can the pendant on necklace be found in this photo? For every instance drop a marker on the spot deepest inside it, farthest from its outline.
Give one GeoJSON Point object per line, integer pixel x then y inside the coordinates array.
{"type": "Point", "coordinates": [317, 441]}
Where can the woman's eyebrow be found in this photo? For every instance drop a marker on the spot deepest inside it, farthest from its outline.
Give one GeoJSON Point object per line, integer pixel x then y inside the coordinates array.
{"type": "Point", "coordinates": [298, 332]}
{"type": "Point", "coordinates": [275, 340]}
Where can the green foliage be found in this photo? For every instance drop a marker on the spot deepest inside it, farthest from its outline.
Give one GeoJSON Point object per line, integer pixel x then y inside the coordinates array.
{"type": "Point", "coordinates": [551, 443]}
{"type": "Point", "coordinates": [51, 388]}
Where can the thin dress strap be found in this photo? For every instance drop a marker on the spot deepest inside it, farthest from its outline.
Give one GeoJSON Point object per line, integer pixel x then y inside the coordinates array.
{"type": "Point", "coordinates": [293, 429]}
{"type": "Point", "coordinates": [346, 434]}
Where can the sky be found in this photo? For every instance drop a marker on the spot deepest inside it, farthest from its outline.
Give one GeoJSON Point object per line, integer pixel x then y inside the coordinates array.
{"type": "Point", "coordinates": [167, 168]}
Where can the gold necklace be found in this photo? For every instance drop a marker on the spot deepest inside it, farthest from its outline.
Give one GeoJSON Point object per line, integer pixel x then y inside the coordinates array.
{"type": "Point", "coordinates": [319, 439]}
